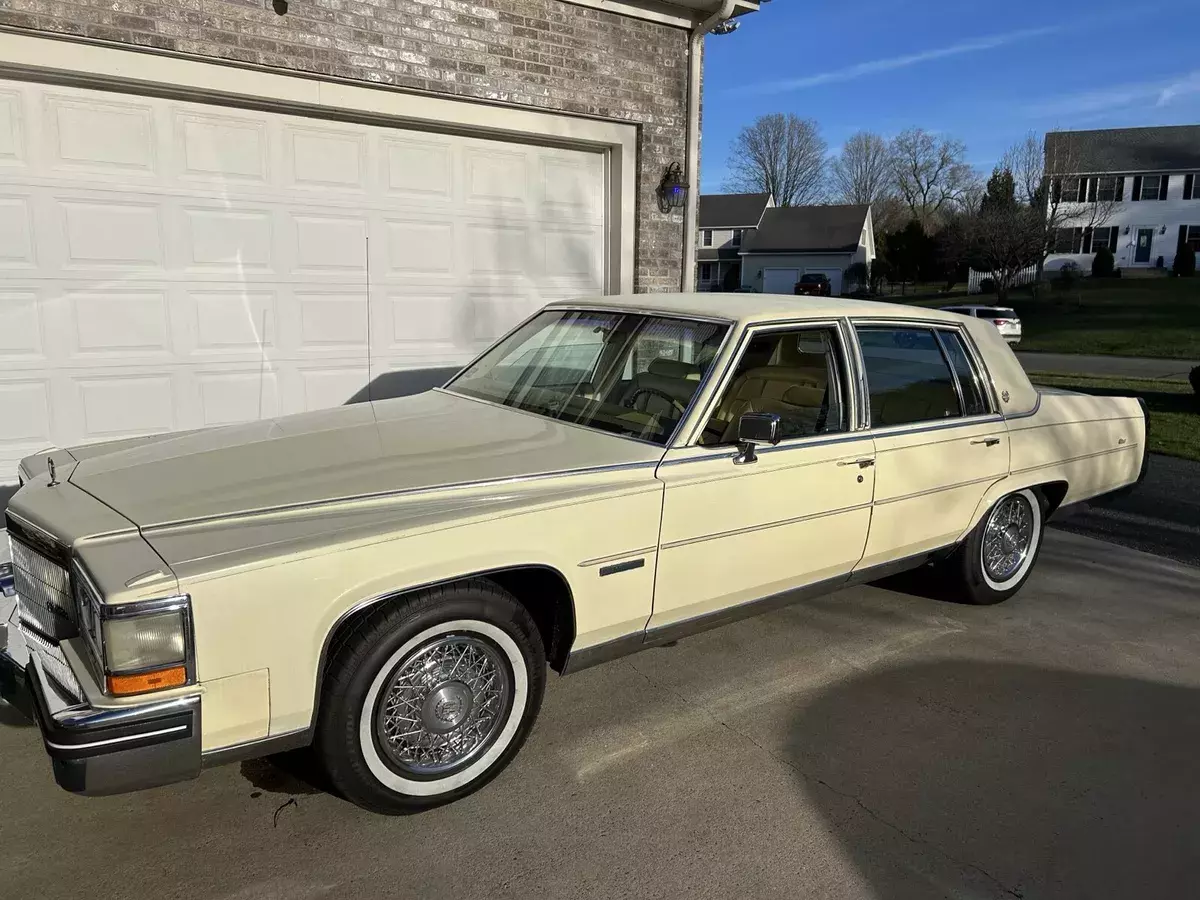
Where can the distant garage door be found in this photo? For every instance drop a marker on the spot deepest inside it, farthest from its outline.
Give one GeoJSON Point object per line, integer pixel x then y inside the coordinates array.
{"type": "Point", "coordinates": [167, 265]}
{"type": "Point", "coordinates": [780, 281]}
{"type": "Point", "coordinates": [834, 276]}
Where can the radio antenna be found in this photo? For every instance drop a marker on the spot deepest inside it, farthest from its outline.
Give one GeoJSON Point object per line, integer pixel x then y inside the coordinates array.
{"type": "Point", "coordinates": [367, 246]}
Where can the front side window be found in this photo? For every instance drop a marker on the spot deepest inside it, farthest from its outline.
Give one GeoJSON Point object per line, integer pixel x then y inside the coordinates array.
{"type": "Point", "coordinates": [797, 374]}
{"type": "Point", "coordinates": [1105, 189]}
{"type": "Point", "coordinates": [1151, 184]}
{"type": "Point", "coordinates": [1104, 237]}
{"type": "Point", "coordinates": [970, 386]}
{"type": "Point", "coordinates": [625, 373]}
{"type": "Point", "coordinates": [908, 377]}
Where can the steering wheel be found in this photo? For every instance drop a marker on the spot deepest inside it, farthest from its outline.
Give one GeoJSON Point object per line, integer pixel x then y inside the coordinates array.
{"type": "Point", "coordinates": [631, 401]}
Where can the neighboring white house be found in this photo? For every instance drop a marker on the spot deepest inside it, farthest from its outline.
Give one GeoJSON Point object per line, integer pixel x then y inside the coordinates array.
{"type": "Point", "coordinates": [793, 241]}
{"type": "Point", "coordinates": [726, 222]}
{"type": "Point", "coordinates": [1134, 190]}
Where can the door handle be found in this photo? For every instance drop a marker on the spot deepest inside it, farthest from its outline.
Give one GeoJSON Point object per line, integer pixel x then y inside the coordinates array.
{"type": "Point", "coordinates": [861, 463]}
{"type": "Point", "coordinates": [987, 442]}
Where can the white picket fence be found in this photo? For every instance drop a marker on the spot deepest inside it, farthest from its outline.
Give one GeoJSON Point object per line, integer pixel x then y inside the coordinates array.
{"type": "Point", "coordinates": [975, 279]}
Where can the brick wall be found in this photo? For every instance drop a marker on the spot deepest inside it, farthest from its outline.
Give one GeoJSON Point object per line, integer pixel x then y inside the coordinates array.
{"type": "Point", "coordinates": [543, 54]}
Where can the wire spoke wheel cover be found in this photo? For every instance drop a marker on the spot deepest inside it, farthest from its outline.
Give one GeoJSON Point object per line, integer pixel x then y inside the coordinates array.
{"type": "Point", "coordinates": [443, 705]}
{"type": "Point", "coordinates": [1008, 538]}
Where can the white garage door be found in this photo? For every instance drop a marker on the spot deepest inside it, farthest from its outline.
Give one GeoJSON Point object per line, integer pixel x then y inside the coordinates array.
{"type": "Point", "coordinates": [168, 265]}
{"type": "Point", "coordinates": [780, 281]}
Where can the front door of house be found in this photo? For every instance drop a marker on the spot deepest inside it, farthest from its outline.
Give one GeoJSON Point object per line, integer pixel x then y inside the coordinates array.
{"type": "Point", "coordinates": [1145, 239]}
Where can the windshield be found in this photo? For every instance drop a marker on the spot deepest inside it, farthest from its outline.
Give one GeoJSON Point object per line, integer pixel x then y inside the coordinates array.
{"type": "Point", "coordinates": [625, 373]}
{"type": "Point", "coordinates": [812, 279]}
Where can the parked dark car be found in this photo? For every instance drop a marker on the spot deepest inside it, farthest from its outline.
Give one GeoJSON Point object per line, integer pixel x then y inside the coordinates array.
{"type": "Point", "coordinates": [814, 284]}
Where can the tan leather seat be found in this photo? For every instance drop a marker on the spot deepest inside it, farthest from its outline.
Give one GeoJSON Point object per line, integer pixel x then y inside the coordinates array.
{"type": "Point", "coordinates": [917, 402]}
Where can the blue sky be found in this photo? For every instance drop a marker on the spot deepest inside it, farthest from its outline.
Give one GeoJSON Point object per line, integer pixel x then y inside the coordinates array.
{"type": "Point", "coordinates": [985, 73]}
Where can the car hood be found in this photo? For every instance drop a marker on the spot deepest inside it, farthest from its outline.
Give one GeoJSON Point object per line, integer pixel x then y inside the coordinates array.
{"type": "Point", "coordinates": [425, 441]}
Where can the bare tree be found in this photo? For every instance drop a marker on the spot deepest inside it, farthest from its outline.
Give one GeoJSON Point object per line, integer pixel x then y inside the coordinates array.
{"type": "Point", "coordinates": [1005, 236]}
{"type": "Point", "coordinates": [780, 154]}
{"type": "Point", "coordinates": [930, 174]}
{"type": "Point", "coordinates": [862, 172]}
{"type": "Point", "coordinates": [1026, 161]}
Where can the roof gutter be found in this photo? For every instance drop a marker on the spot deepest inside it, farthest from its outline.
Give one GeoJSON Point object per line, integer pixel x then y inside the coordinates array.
{"type": "Point", "coordinates": [692, 176]}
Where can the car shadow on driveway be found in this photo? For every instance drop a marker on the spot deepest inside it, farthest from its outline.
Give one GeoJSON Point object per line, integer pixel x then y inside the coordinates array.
{"type": "Point", "coordinates": [1016, 780]}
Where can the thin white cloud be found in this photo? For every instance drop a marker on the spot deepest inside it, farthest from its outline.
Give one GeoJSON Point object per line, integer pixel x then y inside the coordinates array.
{"type": "Point", "coordinates": [1115, 98]}
{"type": "Point", "coordinates": [1190, 84]}
{"type": "Point", "coordinates": [889, 64]}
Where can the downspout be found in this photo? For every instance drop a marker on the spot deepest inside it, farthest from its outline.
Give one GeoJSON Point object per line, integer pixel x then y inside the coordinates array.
{"type": "Point", "coordinates": [692, 175]}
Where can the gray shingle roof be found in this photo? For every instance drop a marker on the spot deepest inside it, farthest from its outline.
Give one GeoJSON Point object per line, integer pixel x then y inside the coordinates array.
{"type": "Point", "coordinates": [731, 210]}
{"type": "Point", "coordinates": [1117, 150]}
{"type": "Point", "coordinates": [809, 229]}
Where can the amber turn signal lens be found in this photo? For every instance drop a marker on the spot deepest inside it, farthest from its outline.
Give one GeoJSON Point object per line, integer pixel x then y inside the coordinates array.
{"type": "Point", "coordinates": [119, 685]}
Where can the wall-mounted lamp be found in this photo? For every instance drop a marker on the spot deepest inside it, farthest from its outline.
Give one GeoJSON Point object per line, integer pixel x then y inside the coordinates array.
{"type": "Point", "coordinates": [1163, 230]}
{"type": "Point", "coordinates": [672, 192]}
{"type": "Point", "coordinates": [1126, 229]}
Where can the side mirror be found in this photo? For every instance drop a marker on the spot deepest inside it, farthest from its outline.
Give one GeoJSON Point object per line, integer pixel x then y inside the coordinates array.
{"type": "Point", "coordinates": [754, 429]}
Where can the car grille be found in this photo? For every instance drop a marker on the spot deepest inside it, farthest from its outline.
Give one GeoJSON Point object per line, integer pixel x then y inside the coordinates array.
{"type": "Point", "coordinates": [46, 612]}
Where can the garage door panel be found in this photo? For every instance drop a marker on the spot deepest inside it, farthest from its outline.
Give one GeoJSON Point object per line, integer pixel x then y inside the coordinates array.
{"type": "Point", "coordinates": [324, 243]}
{"type": "Point", "coordinates": [199, 265]}
{"type": "Point", "coordinates": [119, 322]}
{"type": "Point", "coordinates": [220, 148]}
{"type": "Point", "coordinates": [416, 246]}
{"type": "Point", "coordinates": [16, 232]}
{"type": "Point", "coordinates": [418, 169]}
{"type": "Point", "coordinates": [232, 320]}
{"type": "Point", "coordinates": [20, 325]}
{"type": "Point", "coordinates": [12, 132]}
{"type": "Point", "coordinates": [232, 240]}
{"type": "Point", "coordinates": [126, 405]}
{"type": "Point", "coordinates": [111, 234]}
{"type": "Point", "coordinates": [100, 137]}
{"type": "Point", "coordinates": [322, 158]}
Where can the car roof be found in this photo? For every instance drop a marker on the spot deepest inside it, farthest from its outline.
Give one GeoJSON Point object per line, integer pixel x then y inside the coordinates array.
{"type": "Point", "coordinates": [755, 308]}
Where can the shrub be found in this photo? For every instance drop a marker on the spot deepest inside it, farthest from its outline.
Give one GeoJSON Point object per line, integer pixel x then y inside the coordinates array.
{"type": "Point", "coordinates": [1194, 378]}
{"type": "Point", "coordinates": [987, 285]}
{"type": "Point", "coordinates": [1103, 264]}
{"type": "Point", "coordinates": [859, 275]}
{"type": "Point", "coordinates": [1185, 260]}
{"type": "Point", "coordinates": [1067, 276]}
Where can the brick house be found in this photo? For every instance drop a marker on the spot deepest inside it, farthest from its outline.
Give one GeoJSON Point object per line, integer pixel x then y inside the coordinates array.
{"type": "Point", "coordinates": [219, 210]}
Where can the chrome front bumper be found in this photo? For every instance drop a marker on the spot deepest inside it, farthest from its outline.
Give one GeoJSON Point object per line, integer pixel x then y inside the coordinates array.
{"type": "Point", "coordinates": [99, 751]}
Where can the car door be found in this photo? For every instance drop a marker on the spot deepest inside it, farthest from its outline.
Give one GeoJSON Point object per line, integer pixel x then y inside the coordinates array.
{"type": "Point", "coordinates": [939, 443]}
{"type": "Point", "coordinates": [794, 518]}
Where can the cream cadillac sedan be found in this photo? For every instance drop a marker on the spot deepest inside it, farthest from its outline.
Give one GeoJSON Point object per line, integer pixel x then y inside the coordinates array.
{"type": "Point", "coordinates": [388, 582]}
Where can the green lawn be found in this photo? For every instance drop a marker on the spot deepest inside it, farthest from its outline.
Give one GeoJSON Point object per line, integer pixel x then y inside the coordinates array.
{"type": "Point", "coordinates": [1117, 317]}
{"type": "Point", "coordinates": [1174, 408]}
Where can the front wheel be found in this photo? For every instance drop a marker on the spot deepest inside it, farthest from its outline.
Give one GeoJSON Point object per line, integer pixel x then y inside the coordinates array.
{"type": "Point", "coordinates": [996, 559]}
{"type": "Point", "coordinates": [431, 697]}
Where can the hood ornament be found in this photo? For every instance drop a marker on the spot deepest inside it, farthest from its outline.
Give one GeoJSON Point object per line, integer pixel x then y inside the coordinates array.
{"type": "Point", "coordinates": [50, 468]}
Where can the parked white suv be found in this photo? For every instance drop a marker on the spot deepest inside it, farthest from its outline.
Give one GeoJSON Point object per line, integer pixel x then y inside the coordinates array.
{"type": "Point", "coordinates": [1002, 317]}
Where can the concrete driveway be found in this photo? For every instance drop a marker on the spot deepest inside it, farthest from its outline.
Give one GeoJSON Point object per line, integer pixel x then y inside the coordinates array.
{"type": "Point", "coordinates": [871, 744]}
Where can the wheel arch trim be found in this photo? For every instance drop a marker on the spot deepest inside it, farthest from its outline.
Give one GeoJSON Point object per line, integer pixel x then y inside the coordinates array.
{"type": "Point", "coordinates": [1012, 485]}
{"type": "Point", "coordinates": [388, 596]}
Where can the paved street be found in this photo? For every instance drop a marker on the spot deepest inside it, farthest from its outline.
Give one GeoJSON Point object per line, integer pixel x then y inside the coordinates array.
{"type": "Point", "coordinates": [870, 744]}
{"type": "Point", "coordinates": [1114, 366]}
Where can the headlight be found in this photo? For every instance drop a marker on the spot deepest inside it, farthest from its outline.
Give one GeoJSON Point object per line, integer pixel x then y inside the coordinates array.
{"type": "Point", "coordinates": [140, 647]}
{"type": "Point", "coordinates": [134, 643]}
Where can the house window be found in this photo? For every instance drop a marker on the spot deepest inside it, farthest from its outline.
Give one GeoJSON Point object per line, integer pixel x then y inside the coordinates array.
{"type": "Point", "coordinates": [1193, 237]}
{"type": "Point", "coordinates": [1151, 185]}
{"type": "Point", "coordinates": [1104, 189]}
{"type": "Point", "coordinates": [736, 241]}
{"type": "Point", "coordinates": [706, 237]}
{"type": "Point", "coordinates": [1104, 237]}
{"type": "Point", "coordinates": [1066, 240]}
{"type": "Point", "coordinates": [706, 271]}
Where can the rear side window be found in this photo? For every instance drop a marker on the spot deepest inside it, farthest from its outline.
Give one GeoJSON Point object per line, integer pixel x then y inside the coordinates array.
{"type": "Point", "coordinates": [969, 384]}
{"type": "Point", "coordinates": [908, 377]}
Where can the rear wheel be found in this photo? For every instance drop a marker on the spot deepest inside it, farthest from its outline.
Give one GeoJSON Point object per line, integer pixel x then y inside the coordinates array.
{"type": "Point", "coordinates": [996, 559]}
{"type": "Point", "coordinates": [431, 697]}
